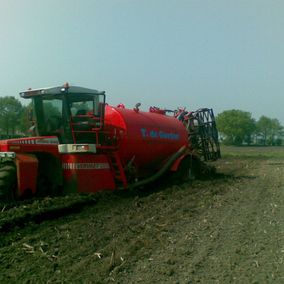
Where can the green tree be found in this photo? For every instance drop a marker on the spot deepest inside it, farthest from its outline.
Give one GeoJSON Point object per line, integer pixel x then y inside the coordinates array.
{"type": "Point", "coordinates": [269, 129]}
{"type": "Point", "coordinates": [236, 126]}
{"type": "Point", "coordinates": [10, 114]}
{"type": "Point", "coordinates": [24, 123]}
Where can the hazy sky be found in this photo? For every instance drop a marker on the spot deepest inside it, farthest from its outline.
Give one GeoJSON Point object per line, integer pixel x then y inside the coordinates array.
{"type": "Point", "coordinates": [222, 54]}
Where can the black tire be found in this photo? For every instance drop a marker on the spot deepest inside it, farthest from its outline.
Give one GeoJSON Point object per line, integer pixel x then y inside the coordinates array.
{"type": "Point", "coordinates": [8, 182]}
{"type": "Point", "coordinates": [187, 171]}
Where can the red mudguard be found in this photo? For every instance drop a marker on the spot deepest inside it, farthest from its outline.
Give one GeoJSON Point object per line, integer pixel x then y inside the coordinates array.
{"type": "Point", "coordinates": [87, 173]}
{"type": "Point", "coordinates": [27, 166]}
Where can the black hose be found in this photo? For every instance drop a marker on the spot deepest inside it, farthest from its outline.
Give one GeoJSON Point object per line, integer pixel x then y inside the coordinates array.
{"type": "Point", "coordinates": [173, 158]}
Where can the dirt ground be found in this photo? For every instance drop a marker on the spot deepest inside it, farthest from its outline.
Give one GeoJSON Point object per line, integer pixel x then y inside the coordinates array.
{"type": "Point", "coordinates": [225, 229]}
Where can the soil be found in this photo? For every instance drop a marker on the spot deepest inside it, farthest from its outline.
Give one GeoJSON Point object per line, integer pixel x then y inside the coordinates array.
{"type": "Point", "coordinates": [227, 228]}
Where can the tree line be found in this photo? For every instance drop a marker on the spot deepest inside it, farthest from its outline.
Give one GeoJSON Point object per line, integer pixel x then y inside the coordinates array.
{"type": "Point", "coordinates": [13, 117]}
{"type": "Point", "coordinates": [237, 127]}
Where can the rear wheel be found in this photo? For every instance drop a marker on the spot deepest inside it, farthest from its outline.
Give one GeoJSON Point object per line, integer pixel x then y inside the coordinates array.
{"type": "Point", "coordinates": [8, 182]}
{"type": "Point", "coordinates": [187, 170]}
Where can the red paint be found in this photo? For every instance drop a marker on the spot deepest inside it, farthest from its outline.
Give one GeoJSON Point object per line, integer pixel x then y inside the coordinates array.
{"type": "Point", "coordinates": [87, 173]}
{"type": "Point", "coordinates": [151, 138]}
{"type": "Point", "coordinates": [27, 166]}
{"type": "Point", "coordinates": [136, 140]}
{"type": "Point", "coordinates": [46, 144]}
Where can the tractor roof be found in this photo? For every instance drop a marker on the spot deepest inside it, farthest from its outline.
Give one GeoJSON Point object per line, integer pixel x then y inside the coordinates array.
{"type": "Point", "coordinates": [58, 90]}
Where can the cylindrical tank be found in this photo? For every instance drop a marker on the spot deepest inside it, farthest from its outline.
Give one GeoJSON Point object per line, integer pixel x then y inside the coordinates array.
{"type": "Point", "coordinates": [145, 139]}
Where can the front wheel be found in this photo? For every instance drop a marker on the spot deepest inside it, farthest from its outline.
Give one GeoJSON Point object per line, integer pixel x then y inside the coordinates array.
{"type": "Point", "coordinates": [8, 182]}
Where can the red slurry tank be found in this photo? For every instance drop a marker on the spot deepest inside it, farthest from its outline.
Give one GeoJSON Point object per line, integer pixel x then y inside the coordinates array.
{"type": "Point", "coordinates": [146, 138]}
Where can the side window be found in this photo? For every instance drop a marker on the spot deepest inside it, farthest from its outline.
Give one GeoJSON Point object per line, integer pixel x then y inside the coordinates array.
{"type": "Point", "coordinates": [52, 110]}
{"type": "Point", "coordinates": [99, 106]}
{"type": "Point", "coordinates": [90, 107]}
{"type": "Point", "coordinates": [87, 112]}
{"type": "Point", "coordinates": [80, 108]}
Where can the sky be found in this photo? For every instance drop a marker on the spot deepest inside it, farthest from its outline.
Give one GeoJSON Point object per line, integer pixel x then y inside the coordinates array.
{"type": "Point", "coordinates": [220, 54]}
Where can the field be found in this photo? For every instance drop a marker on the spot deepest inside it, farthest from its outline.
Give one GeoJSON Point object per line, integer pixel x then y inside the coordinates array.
{"type": "Point", "coordinates": [228, 228]}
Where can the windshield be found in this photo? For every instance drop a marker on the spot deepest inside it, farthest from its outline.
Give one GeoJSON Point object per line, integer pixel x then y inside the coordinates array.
{"type": "Point", "coordinates": [69, 115]}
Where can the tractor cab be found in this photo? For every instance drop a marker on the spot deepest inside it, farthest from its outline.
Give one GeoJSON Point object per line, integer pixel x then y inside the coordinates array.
{"type": "Point", "coordinates": [73, 114]}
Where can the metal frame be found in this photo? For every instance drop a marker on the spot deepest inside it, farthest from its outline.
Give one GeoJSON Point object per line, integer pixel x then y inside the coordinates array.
{"type": "Point", "coordinates": [203, 134]}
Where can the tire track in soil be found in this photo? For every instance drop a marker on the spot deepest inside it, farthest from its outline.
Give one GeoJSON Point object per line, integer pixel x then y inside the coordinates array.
{"type": "Point", "coordinates": [242, 247]}
{"type": "Point", "coordinates": [227, 230]}
{"type": "Point", "coordinates": [238, 239]}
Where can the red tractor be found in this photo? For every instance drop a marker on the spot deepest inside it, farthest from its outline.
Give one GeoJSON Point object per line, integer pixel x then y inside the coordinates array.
{"type": "Point", "coordinates": [82, 144]}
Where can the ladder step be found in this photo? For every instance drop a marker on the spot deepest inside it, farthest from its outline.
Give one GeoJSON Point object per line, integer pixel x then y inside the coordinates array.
{"type": "Point", "coordinates": [119, 176]}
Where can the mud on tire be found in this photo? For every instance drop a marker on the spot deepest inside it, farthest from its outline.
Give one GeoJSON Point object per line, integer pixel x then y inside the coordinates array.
{"type": "Point", "coordinates": [188, 171]}
{"type": "Point", "coordinates": [8, 182]}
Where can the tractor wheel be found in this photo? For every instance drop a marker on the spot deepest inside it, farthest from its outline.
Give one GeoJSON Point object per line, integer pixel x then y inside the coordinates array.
{"type": "Point", "coordinates": [187, 171]}
{"type": "Point", "coordinates": [8, 182]}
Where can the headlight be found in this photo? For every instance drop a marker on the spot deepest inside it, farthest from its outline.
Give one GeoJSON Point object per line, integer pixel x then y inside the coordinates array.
{"type": "Point", "coordinates": [11, 155]}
